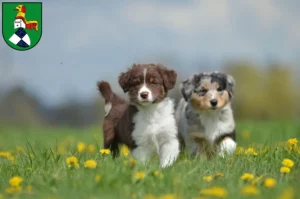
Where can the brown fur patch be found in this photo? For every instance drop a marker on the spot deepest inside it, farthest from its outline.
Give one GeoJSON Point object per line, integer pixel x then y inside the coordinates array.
{"type": "Point", "coordinates": [200, 102]}
{"type": "Point", "coordinates": [223, 99]}
{"type": "Point", "coordinates": [117, 125]}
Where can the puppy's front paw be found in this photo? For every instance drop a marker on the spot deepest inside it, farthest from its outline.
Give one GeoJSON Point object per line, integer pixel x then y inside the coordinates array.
{"type": "Point", "coordinates": [169, 153]}
{"type": "Point", "coordinates": [227, 146]}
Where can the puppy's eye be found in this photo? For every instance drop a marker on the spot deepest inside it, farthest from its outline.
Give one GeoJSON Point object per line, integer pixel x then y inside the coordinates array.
{"type": "Point", "coordinates": [135, 81]}
{"type": "Point", "coordinates": [154, 81]}
{"type": "Point", "coordinates": [203, 91]}
{"type": "Point", "coordinates": [219, 89]}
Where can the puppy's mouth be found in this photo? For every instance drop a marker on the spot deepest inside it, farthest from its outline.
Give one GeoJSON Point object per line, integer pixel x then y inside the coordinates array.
{"type": "Point", "coordinates": [144, 102]}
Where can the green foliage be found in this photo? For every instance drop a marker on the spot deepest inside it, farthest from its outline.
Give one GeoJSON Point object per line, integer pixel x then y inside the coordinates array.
{"type": "Point", "coordinates": [269, 93]}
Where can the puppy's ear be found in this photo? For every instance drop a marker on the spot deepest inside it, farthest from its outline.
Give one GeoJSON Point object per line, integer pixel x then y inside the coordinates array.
{"type": "Point", "coordinates": [169, 77]}
{"type": "Point", "coordinates": [124, 80]}
{"type": "Point", "coordinates": [230, 85]}
{"type": "Point", "coordinates": [187, 87]}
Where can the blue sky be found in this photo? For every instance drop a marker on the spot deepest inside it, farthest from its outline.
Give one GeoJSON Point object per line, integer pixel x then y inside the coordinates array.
{"type": "Point", "coordinates": [86, 42]}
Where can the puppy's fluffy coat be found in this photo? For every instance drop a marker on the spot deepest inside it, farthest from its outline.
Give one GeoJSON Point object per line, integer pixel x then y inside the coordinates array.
{"type": "Point", "coordinates": [147, 123]}
{"type": "Point", "coordinates": [204, 115]}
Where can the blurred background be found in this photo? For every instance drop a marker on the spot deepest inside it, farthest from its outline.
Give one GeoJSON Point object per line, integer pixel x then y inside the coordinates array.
{"type": "Point", "coordinates": [54, 84]}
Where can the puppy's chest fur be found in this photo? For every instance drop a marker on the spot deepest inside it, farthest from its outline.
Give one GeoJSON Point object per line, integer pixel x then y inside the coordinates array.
{"type": "Point", "coordinates": [154, 124]}
{"type": "Point", "coordinates": [209, 125]}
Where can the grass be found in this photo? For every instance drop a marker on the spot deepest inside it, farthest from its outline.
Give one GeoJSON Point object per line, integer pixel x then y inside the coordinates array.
{"type": "Point", "coordinates": [39, 155]}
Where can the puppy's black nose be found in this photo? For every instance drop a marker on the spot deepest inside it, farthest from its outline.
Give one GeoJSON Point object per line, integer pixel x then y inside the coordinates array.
{"type": "Point", "coordinates": [214, 102]}
{"type": "Point", "coordinates": [144, 94]}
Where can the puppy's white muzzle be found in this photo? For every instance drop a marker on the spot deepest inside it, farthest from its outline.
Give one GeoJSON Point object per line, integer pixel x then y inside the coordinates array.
{"type": "Point", "coordinates": [145, 95]}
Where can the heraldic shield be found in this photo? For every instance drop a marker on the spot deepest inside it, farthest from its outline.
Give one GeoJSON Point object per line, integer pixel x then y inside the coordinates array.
{"type": "Point", "coordinates": [22, 24]}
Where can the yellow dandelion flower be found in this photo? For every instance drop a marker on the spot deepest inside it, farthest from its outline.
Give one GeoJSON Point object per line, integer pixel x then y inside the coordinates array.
{"type": "Point", "coordinates": [250, 190]}
{"type": "Point", "coordinates": [15, 181]}
{"type": "Point", "coordinates": [219, 192]}
{"type": "Point", "coordinates": [218, 175]}
{"type": "Point", "coordinates": [7, 155]}
{"type": "Point", "coordinates": [81, 147]}
{"type": "Point", "coordinates": [239, 151]}
{"type": "Point", "coordinates": [125, 151]}
{"type": "Point", "coordinates": [140, 175]}
{"type": "Point", "coordinates": [168, 196]}
{"type": "Point", "coordinates": [98, 178]}
{"type": "Point", "coordinates": [292, 142]}
{"type": "Point", "coordinates": [4, 154]}
{"type": "Point", "coordinates": [287, 163]}
{"type": "Point", "coordinates": [105, 151]}
{"type": "Point", "coordinates": [13, 189]}
{"type": "Point", "coordinates": [288, 193]}
{"type": "Point", "coordinates": [90, 164]}
{"type": "Point", "coordinates": [207, 178]}
{"type": "Point", "coordinates": [269, 182]}
{"type": "Point", "coordinates": [251, 151]}
{"type": "Point", "coordinates": [91, 148]}
{"type": "Point", "coordinates": [149, 196]}
{"type": "Point", "coordinates": [72, 162]}
{"type": "Point", "coordinates": [247, 177]}
{"type": "Point", "coordinates": [285, 170]}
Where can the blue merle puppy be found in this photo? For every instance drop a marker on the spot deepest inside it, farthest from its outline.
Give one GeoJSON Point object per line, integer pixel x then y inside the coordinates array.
{"type": "Point", "coordinates": [204, 115]}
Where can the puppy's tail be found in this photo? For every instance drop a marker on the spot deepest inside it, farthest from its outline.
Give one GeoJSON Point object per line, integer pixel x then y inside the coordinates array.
{"type": "Point", "coordinates": [111, 99]}
{"type": "Point", "coordinates": [106, 91]}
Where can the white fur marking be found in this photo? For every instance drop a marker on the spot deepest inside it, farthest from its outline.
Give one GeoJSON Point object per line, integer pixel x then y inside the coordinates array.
{"type": "Point", "coordinates": [212, 95]}
{"type": "Point", "coordinates": [155, 130]}
{"type": "Point", "coordinates": [145, 89]}
{"type": "Point", "coordinates": [107, 108]}
{"type": "Point", "coordinates": [145, 72]}
{"type": "Point", "coordinates": [227, 146]}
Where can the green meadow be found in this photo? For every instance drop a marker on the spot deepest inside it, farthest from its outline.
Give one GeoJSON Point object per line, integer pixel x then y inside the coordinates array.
{"type": "Point", "coordinates": [35, 163]}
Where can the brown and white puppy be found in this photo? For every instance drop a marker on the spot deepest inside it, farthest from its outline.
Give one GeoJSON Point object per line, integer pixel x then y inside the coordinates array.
{"type": "Point", "coordinates": [204, 115]}
{"type": "Point", "coordinates": [147, 123]}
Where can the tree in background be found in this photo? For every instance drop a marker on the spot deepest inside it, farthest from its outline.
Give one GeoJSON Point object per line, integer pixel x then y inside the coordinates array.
{"type": "Point", "coordinates": [263, 93]}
